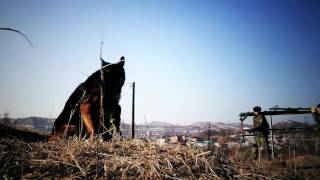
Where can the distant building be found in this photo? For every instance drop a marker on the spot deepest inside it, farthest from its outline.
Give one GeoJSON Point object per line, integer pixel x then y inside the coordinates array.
{"type": "Point", "coordinates": [174, 140]}
{"type": "Point", "coordinates": [233, 144]}
{"type": "Point", "coordinates": [161, 141]}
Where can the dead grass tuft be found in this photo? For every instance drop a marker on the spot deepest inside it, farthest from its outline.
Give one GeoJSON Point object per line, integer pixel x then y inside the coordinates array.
{"type": "Point", "coordinates": [119, 159]}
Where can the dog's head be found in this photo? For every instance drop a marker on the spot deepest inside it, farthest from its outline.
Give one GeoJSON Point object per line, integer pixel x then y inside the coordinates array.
{"type": "Point", "coordinates": [106, 66]}
{"type": "Point", "coordinates": [114, 74]}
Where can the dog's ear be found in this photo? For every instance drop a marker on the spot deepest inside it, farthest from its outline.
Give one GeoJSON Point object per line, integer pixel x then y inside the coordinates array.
{"type": "Point", "coordinates": [104, 63]}
{"type": "Point", "coordinates": [121, 62]}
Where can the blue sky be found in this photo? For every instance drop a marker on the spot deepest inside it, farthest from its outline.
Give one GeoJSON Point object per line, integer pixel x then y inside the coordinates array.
{"type": "Point", "coordinates": [191, 60]}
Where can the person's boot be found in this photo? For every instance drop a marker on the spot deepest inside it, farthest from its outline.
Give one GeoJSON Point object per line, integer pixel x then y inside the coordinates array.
{"type": "Point", "coordinates": [256, 152]}
{"type": "Point", "coordinates": [269, 152]}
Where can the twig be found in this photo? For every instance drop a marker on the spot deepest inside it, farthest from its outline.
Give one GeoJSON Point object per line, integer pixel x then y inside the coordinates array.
{"type": "Point", "coordinates": [81, 170]}
{"type": "Point", "coordinates": [17, 31]}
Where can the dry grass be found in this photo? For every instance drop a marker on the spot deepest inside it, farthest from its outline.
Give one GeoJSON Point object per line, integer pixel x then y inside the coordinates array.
{"type": "Point", "coordinates": [127, 159]}
{"type": "Point", "coordinates": [299, 167]}
{"type": "Point", "coordinates": [119, 159]}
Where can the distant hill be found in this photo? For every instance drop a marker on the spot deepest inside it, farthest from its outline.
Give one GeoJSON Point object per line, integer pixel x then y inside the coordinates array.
{"type": "Point", "coordinates": [219, 125]}
{"type": "Point", "coordinates": [45, 124]}
{"type": "Point", "coordinates": [37, 123]}
{"type": "Point", "coordinates": [285, 124]}
{"type": "Point", "coordinates": [201, 124]}
{"type": "Point", "coordinates": [23, 134]}
{"type": "Point", "coordinates": [158, 124]}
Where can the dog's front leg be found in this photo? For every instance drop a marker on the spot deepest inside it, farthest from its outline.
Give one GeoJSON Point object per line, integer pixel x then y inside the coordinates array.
{"type": "Point", "coordinates": [85, 110]}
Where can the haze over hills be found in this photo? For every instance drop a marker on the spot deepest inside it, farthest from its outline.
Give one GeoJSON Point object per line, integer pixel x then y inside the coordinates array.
{"type": "Point", "coordinates": [38, 123]}
{"type": "Point", "coordinates": [157, 123]}
{"type": "Point", "coordinates": [218, 125]}
{"type": "Point", "coordinates": [213, 125]}
{"type": "Point", "coordinates": [45, 124]}
{"type": "Point", "coordinates": [290, 124]}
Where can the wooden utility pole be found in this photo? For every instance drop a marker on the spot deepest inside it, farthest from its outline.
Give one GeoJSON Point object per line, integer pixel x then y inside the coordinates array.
{"type": "Point", "coordinates": [133, 94]}
{"type": "Point", "coordinates": [272, 143]}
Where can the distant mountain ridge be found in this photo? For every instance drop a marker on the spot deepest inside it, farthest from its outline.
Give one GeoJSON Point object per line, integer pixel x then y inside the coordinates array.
{"type": "Point", "coordinates": [32, 122]}
{"type": "Point", "coordinates": [219, 125]}
{"type": "Point", "coordinates": [201, 125]}
{"type": "Point", "coordinates": [158, 124]}
{"type": "Point", "coordinates": [45, 124]}
{"type": "Point", "coordinates": [285, 124]}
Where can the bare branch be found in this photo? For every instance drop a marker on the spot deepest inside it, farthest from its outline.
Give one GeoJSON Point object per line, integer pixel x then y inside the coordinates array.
{"type": "Point", "coordinates": [17, 31]}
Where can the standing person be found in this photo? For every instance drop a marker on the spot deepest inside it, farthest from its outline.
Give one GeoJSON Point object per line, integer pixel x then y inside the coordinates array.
{"type": "Point", "coordinates": [316, 113]}
{"type": "Point", "coordinates": [261, 132]}
{"type": "Point", "coordinates": [316, 116]}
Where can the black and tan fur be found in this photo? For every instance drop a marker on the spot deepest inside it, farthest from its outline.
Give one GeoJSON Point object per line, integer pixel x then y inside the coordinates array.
{"type": "Point", "coordinates": [82, 109]}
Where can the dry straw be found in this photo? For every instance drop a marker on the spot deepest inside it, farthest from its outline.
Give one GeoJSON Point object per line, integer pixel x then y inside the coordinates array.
{"type": "Point", "coordinates": [118, 159]}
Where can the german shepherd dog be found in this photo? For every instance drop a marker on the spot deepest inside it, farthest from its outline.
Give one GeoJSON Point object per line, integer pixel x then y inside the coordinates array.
{"type": "Point", "coordinates": [81, 113]}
